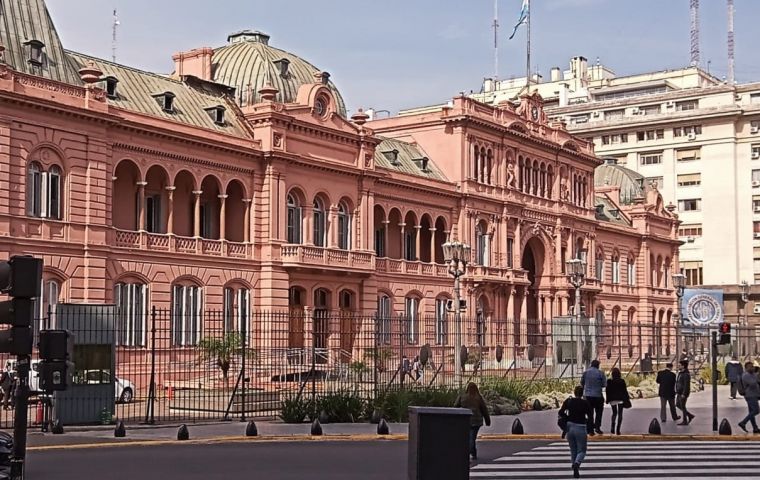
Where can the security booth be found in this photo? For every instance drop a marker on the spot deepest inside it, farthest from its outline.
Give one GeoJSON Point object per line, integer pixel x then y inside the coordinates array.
{"type": "Point", "coordinates": [91, 398]}
{"type": "Point", "coordinates": [566, 336]}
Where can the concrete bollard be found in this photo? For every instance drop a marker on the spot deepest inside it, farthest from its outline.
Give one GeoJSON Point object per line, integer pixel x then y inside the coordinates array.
{"type": "Point", "coordinates": [57, 428]}
{"type": "Point", "coordinates": [120, 431]}
{"type": "Point", "coordinates": [183, 433]}
{"type": "Point", "coordinates": [537, 405]}
{"type": "Point", "coordinates": [251, 430]}
{"type": "Point", "coordinates": [382, 427]}
{"type": "Point", "coordinates": [724, 428]}
{"type": "Point", "coordinates": [316, 428]}
{"type": "Point", "coordinates": [654, 427]}
{"type": "Point", "coordinates": [517, 427]}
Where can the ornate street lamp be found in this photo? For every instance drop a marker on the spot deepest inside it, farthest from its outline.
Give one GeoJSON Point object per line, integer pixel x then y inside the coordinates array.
{"type": "Point", "coordinates": [744, 291]}
{"type": "Point", "coordinates": [457, 255]}
{"type": "Point", "coordinates": [679, 283]}
{"type": "Point", "coordinates": [576, 275]}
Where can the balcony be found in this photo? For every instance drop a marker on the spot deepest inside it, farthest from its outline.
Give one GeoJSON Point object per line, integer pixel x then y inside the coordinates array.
{"type": "Point", "coordinates": [480, 273]}
{"type": "Point", "coordinates": [305, 255]}
{"type": "Point", "coordinates": [392, 265]}
{"type": "Point", "coordinates": [157, 242]}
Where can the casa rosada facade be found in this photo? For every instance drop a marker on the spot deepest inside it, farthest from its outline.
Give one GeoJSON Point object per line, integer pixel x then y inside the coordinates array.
{"type": "Point", "coordinates": [220, 187]}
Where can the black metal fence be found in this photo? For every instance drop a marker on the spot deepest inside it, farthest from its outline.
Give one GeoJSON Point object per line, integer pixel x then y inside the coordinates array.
{"type": "Point", "coordinates": [184, 364]}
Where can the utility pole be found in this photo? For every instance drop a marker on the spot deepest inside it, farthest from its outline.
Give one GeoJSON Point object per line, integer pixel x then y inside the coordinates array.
{"type": "Point", "coordinates": [694, 14]}
{"type": "Point", "coordinates": [730, 78]}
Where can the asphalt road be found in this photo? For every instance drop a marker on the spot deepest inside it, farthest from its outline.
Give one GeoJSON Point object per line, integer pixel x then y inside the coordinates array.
{"type": "Point", "coordinates": [379, 460]}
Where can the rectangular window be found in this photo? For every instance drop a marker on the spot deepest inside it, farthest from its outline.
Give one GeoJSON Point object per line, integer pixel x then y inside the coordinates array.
{"type": "Point", "coordinates": [614, 114]}
{"type": "Point", "coordinates": [640, 136]}
{"type": "Point", "coordinates": [236, 309]}
{"type": "Point", "coordinates": [649, 110]}
{"type": "Point", "coordinates": [441, 322]}
{"type": "Point", "coordinates": [510, 252]}
{"type": "Point", "coordinates": [754, 98]}
{"type": "Point", "coordinates": [131, 313]}
{"type": "Point", "coordinates": [689, 179]}
{"type": "Point", "coordinates": [756, 228]}
{"type": "Point", "coordinates": [687, 105]}
{"type": "Point", "coordinates": [688, 155]}
{"type": "Point", "coordinates": [578, 119]}
{"type": "Point", "coordinates": [631, 273]}
{"type": "Point", "coordinates": [605, 139]}
{"type": "Point", "coordinates": [756, 203]}
{"type": "Point", "coordinates": [186, 315]}
{"type": "Point", "coordinates": [755, 151]}
{"type": "Point", "coordinates": [412, 319]}
{"type": "Point", "coordinates": [380, 242]}
{"type": "Point", "coordinates": [650, 158]}
{"type": "Point", "coordinates": [690, 205]}
{"type": "Point", "coordinates": [384, 319]}
{"type": "Point", "coordinates": [693, 273]}
{"type": "Point", "coordinates": [754, 126]}
{"type": "Point", "coordinates": [755, 176]}
{"type": "Point", "coordinates": [691, 230]}
{"type": "Point", "coordinates": [600, 268]}
{"type": "Point", "coordinates": [153, 214]}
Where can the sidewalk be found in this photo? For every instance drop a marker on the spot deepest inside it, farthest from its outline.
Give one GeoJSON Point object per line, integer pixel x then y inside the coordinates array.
{"type": "Point", "coordinates": [536, 424]}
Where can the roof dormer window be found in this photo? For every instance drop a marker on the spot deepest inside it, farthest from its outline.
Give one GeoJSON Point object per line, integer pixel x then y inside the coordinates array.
{"type": "Point", "coordinates": [217, 114]}
{"type": "Point", "coordinates": [423, 163]}
{"type": "Point", "coordinates": [392, 156]}
{"type": "Point", "coordinates": [166, 100]}
{"type": "Point", "coordinates": [283, 65]}
{"type": "Point", "coordinates": [111, 83]}
{"type": "Point", "coordinates": [35, 51]}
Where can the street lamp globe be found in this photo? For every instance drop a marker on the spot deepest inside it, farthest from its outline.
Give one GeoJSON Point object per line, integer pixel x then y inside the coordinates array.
{"type": "Point", "coordinates": [679, 280]}
{"type": "Point", "coordinates": [744, 290]}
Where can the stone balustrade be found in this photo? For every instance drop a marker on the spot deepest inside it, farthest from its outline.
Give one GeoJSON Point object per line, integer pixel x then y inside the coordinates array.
{"type": "Point", "coordinates": [328, 257]}
{"type": "Point", "coordinates": [177, 244]}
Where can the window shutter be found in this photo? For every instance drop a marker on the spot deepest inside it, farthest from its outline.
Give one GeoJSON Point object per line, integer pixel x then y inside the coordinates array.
{"type": "Point", "coordinates": [143, 313]}
{"type": "Point", "coordinates": [54, 195]}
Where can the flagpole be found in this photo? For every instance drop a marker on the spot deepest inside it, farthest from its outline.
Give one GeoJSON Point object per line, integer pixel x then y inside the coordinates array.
{"type": "Point", "coordinates": [495, 40]}
{"type": "Point", "coordinates": [527, 65]}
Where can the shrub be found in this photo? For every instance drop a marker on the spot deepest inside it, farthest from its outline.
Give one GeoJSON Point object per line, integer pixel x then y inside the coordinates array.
{"type": "Point", "coordinates": [706, 374]}
{"type": "Point", "coordinates": [394, 403]}
{"type": "Point", "coordinates": [341, 406]}
{"type": "Point", "coordinates": [294, 409]}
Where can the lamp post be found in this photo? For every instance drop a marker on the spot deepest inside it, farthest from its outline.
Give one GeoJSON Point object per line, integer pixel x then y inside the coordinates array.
{"type": "Point", "coordinates": [679, 283]}
{"type": "Point", "coordinates": [744, 291]}
{"type": "Point", "coordinates": [576, 274]}
{"type": "Point", "coordinates": [457, 256]}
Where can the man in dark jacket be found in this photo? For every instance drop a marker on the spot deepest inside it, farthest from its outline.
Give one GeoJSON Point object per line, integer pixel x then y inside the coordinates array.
{"type": "Point", "coordinates": [593, 381]}
{"type": "Point", "coordinates": [666, 379]}
{"type": "Point", "coordinates": [734, 373]}
{"type": "Point", "coordinates": [683, 389]}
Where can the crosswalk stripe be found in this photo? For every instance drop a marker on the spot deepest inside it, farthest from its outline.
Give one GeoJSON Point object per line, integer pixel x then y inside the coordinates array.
{"type": "Point", "coordinates": [630, 461]}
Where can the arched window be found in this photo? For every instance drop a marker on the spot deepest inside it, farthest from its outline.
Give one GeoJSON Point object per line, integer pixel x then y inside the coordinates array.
{"type": "Point", "coordinates": [384, 319]}
{"type": "Point", "coordinates": [319, 223]}
{"type": "Point", "coordinates": [131, 313]}
{"type": "Point", "coordinates": [615, 268]}
{"type": "Point", "coordinates": [237, 308]}
{"type": "Point", "coordinates": [600, 266]}
{"type": "Point", "coordinates": [412, 319]}
{"type": "Point", "coordinates": [441, 321]}
{"type": "Point", "coordinates": [43, 192]}
{"type": "Point", "coordinates": [631, 271]}
{"type": "Point", "coordinates": [294, 220]}
{"type": "Point", "coordinates": [187, 304]}
{"type": "Point", "coordinates": [344, 227]}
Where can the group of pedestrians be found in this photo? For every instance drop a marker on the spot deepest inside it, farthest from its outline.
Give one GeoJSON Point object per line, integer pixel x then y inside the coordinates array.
{"type": "Point", "coordinates": [674, 390]}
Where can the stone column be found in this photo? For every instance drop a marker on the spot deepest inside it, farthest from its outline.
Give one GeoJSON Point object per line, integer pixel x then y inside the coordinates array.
{"type": "Point", "coordinates": [170, 217]}
{"type": "Point", "coordinates": [247, 220]}
{"type": "Point", "coordinates": [432, 244]}
{"type": "Point", "coordinates": [386, 223]}
{"type": "Point", "coordinates": [307, 235]}
{"type": "Point", "coordinates": [222, 217]}
{"type": "Point", "coordinates": [403, 240]}
{"type": "Point", "coordinates": [197, 213]}
{"type": "Point", "coordinates": [417, 241]}
{"type": "Point", "coordinates": [141, 205]}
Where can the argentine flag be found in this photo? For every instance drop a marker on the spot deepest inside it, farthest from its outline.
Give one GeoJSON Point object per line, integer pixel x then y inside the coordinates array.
{"type": "Point", "coordinates": [524, 12]}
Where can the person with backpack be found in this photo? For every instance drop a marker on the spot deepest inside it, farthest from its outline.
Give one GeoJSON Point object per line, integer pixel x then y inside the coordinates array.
{"type": "Point", "coordinates": [578, 416]}
{"type": "Point", "coordinates": [734, 372]}
{"type": "Point", "coordinates": [618, 398]}
{"type": "Point", "coordinates": [750, 389]}
{"type": "Point", "coordinates": [472, 399]}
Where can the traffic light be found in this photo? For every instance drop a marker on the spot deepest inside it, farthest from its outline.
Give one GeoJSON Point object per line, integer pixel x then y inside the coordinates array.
{"type": "Point", "coordinates": [724, 333]}
{"type": "Point", "coordinates": [21, 279]}
{"type": "Point", "coordinates": [56, 352]}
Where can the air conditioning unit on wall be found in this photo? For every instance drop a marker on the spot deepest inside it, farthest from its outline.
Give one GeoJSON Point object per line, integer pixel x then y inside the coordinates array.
{"type": "Point", "coordinates": [756, 309]}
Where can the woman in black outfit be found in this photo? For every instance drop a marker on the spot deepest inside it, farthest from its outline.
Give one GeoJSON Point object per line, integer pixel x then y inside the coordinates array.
{"type": "Point", "coordinates": [580, 423]}
{"type": "Point", "coordinates": [617, 397]}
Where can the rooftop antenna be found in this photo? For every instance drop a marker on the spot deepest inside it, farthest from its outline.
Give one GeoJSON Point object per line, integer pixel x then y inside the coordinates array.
{"type": "Point", "coordinates": [694, 13]}
{"type": "Point", "coordinates": [730, 42]}
{"type": "Point", "coordinates": [116, 24]}
{"type": "Point", "coordinates": [495, 39]}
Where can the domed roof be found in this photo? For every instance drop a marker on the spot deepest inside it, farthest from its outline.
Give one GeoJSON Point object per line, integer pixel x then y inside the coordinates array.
{"type": "Point", "coordinates": [248, 61]}
{"type": "Point", "coordinates": [610, 173]}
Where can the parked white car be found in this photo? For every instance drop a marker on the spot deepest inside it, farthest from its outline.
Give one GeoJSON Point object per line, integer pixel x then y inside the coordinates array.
{"type": "Point", "coordinates": [124, 389]}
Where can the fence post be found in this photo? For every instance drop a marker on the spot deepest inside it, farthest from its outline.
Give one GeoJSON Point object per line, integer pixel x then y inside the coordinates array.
{"type": "Point", "coordinates": [314, 362]}
{"type": "Point", "coordinates": [149, 409]}
{"type": "Point", "coordinates": [244, 351]}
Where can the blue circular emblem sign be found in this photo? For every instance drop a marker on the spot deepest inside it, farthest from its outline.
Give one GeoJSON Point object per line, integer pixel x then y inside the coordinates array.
{"type": "Point", "coordinates": [703, 309]}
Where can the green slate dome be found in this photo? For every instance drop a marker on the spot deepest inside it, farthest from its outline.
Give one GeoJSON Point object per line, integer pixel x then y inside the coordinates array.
{"type": "Point", "coordinates": [610, 173]}
{"type": "Point", "coordinates": [248, 61]}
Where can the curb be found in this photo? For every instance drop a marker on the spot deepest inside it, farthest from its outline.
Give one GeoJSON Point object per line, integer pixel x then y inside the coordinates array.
{"type": "Point", "coordinates": [373, 437]}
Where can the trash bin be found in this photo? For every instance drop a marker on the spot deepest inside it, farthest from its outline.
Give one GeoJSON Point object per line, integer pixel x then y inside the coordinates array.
{"type": "Point", "coordinates": [439, 443]}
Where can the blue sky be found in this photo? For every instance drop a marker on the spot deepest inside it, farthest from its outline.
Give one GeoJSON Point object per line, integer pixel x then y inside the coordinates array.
{"type": "Point", "coordinates": [393, 54]}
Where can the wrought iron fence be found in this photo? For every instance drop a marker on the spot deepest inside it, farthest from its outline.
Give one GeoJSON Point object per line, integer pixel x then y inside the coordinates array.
{"type": "Point", "coordinates": [184, 364]}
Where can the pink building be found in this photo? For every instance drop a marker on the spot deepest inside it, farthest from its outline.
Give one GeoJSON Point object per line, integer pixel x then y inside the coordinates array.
{"type": "Point", "coordinates": [239, 183]}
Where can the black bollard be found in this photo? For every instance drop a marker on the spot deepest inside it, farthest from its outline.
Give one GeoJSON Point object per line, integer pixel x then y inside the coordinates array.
{"type": "Point", "coordinates": [316, 428]}
{"type": "Point", "coordinates": [183, 433]}
{"type": "Point", "coordinates": [120, 431]}
{"type": "Point", "coordinates": [725, 428]}
{"type": "Point", "coordinates": [654, 427]}
{"type": "Point", "coordinates": [537, 405]}
{"type": "Point", "coordinates": [57, 428]}
{"type": "Point", "coordinates": [251, 430]}
{"type": "Point", "coordinates": [382, 427]}
{"type": "Point", "coordinates": [517, 427]}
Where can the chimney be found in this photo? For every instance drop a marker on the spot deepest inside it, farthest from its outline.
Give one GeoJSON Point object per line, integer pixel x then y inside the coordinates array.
{"type": "Point", "coordinates": [196, 63]}
{"type": "Point", "coordinates": [579, 67]}
{"type": "Point", "coordinates": [536, 78]}
{"type": "Point", "coordinates": [555, 75]}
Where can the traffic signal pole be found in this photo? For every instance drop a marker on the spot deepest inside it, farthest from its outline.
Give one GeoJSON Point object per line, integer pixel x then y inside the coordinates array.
{"type": "Point", "coordinates": [20, 418]}
{"type": "Point", "coordinates": [714, 365]}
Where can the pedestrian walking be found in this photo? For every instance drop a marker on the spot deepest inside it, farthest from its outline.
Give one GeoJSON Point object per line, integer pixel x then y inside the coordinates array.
{"type": "Point", "coordinates": [666, 380]}
{"type": "Point", "coordinates": [683, 390]}
{"type": "Point", "coordinates": [579, 416]}
{"type": "Point", "coordinates": [416, 369]}
{"type": "Point", "coordinates": [618, 398]}
{"type": "Point", "coordinates": [734, 373]}
{"type": "Point", "coordinates": [472, 399]}
{"type": "Point", "coordinates": [6, 383]}
{"type": "Point", "coordinates": [593, 381]}
{"type": "Point", "coordinates": [750, 389]}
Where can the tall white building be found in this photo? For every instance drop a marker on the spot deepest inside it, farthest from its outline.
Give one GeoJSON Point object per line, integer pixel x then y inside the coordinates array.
{"type": "Point", "coordinates": [697, 137]}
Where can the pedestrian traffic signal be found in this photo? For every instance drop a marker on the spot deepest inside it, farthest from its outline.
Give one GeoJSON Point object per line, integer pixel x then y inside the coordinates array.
{"type": "Point", "coordinates": [724, 333]}
{"type": "Point", "coordinates": [21, 279]}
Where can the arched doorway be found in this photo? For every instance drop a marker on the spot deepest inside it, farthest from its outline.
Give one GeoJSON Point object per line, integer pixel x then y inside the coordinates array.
{"type": "Point", "coordinates": [532, 263]}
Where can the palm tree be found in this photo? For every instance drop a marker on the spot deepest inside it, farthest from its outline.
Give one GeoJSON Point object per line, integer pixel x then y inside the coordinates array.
{"type": "Point", "coordinates": [222, 350]}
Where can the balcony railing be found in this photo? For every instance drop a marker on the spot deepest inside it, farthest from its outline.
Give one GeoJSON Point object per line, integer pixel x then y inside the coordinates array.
{"type": "Point", "coordinates": [392, 265]}
{"type": "Point", "coordinates": [176, 244]}
{"type": "Point", "coordinates": [498, 274]}
{"type": "Point", "coordinates": [326, 257]}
